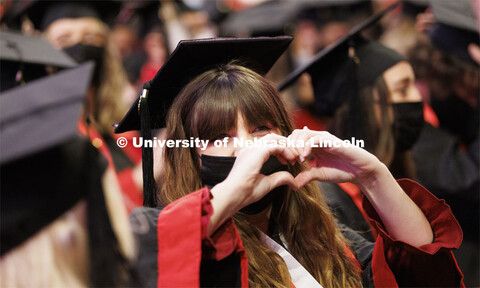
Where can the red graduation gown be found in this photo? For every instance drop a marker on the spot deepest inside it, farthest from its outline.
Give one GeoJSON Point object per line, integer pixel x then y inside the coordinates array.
{"type": "Point", "coordinates": [176, 252]}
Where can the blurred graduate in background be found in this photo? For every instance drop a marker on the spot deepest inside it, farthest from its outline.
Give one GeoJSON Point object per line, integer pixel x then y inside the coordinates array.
{"type": "Point", "coordinates": [63, 222]}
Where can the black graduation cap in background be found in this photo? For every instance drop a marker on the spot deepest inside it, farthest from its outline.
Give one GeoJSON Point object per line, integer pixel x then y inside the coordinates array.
{"type": "Point", "coordinates": [268, 18]}
{"type": "Point", "coordinates": [324, 11]}
{"type": "Point", "coordinates": [29, 55]}
{"type": "Point", "coordinates": [36, 120]}
{"type": "Point", "coordinates": [272, 18]}
{"type": "Point", "coordinates": [336, 75]}
{"type": "Point", "coordinates": [32, 50]}
{"type": "Point", "coordinates": [455, 28]}
{"type": "Point", "coordinates": [43, 113]}
{"type": "Point", "coordinates": [47, 167]}
{"type": "Point", "coordinates": [188, 60]}
{"type": "Point", "coordinates": [43, 13]}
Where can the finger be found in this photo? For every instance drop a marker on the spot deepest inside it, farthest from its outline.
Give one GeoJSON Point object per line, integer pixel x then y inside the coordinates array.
{"type": "Point", "coordinates": [299, 145]}
{"type": "Point", "coordinates": [306, 176]}
{"type": "Point", "coordinates": [281, 178]}
{"type": "Point", "coordinates": [295, 154]}
{"type": "Point", "coordinates": [274, 148]}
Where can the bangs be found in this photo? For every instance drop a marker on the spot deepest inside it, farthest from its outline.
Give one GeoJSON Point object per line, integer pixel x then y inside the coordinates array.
{"type": "Point", "coordinates": [218, 103]}
{"type": "Point", "coordinates": [213, 114]}
{"type": "Point", "coordinates": [260, 108]}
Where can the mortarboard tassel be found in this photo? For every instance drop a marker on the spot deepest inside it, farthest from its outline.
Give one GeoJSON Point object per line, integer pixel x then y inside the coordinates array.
{"type": "Point", "coordinates": [149, 193]}
{"type": "Point", "coordinates": [355, 106]}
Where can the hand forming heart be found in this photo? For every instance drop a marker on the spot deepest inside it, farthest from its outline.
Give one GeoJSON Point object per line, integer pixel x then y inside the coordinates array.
{"type": "Point", "coordinates": [332, 164]}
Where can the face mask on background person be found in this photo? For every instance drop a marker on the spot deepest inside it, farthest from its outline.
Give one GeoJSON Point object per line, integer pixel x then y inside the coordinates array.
{"type": "Point", "coordinates": [82, 53]}
{"type": "Point", "coordinates": [407, 124]}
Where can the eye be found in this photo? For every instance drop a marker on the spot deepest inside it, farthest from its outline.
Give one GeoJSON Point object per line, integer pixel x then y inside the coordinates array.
{"type": "Point", "coordinates": [263, 128]}
{"type": "Point", "coordinates": [403, 90]}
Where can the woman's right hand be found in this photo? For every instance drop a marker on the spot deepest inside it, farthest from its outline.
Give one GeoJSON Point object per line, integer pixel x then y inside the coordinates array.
{"type": "Point", "coordinates": [245, 184]}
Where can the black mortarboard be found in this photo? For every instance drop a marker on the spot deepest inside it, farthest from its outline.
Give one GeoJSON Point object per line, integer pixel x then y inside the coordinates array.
{"type": "Point", "coordinates": [35, 120]}
{"type": "Point", "coordinates": [324, 11]}
{"type": "Point", "coordinates": [43, 113]}
{"type": "Point", "coordinates": [455, 29]}
{"type": "Point", "coordinates": [190, 59]}
{"type": "Point", "coordinates": [32, 50]}
{"type": "Point", "coordinates": [336, 76]}
{"type": "Point", "coordinates": [47, 167]}
{"type": "Point", "coordinates": [43, 13]}
{"type": "Point", "coordinates": [267, 19]}
{"type": "Point", "coordinates": [193, 57]}
{"type": "Point", "coordinates": [29, 55]}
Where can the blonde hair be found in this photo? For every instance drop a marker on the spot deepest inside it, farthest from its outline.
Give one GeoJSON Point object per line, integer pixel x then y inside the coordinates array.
{"type": "Point", "coordinates": [58, 255]}
{"type": "Point", "coordinates": [357, 118]}
{"type": "Point", "coordinates": [211, 103]}
{"type": "Point", "coordinates": [109, 105]}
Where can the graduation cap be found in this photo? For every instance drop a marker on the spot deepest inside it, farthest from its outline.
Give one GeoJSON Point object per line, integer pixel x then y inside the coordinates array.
{"type": "Point", "coordinates": [47, 167]}
{"type": "Point", "coordinates": [29, 55]}
{"type": "Point", "coordinates": [325, 11]}
{"type": "Point", "coordinates": [43, 113]}
{"type": "Point", "coordinates": [455, 29]}
{"type": "Point", "coordinates": [278, 17]}
{"type": "Point", "coordinates": [336, 74]}
{"type": "Point", "coordinates": [34, 120]}
{"type": "Point", "coordinates": [269, 18]}
{"type": "Point", "coordinates": [190, 59]}
{"type": "Point", "coordinates": [43, 13]}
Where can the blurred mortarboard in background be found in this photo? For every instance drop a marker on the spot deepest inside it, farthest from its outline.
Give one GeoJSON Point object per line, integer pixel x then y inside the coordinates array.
{"type": "Point", "coordinates": [455, 28]}
{"type": "Point", "coordinates": [324, 11]}
{"type": "Point", "coordinates": [37, 121]}
{"type": "Point", "coordinates": [190, 59]}
{"type": "Point", "coordinates": [43, 113]}
{"type": "Point", "coordinates": [47, 167]}
{"type": "Point", "coordinates": [458, 14]}
{"type": "Point", "coordinates": [29, 55]}
{"type": "Point", "coordinates": [43, 13]}
{"type": "Point", "coordinates": [32, 50]}
{"type": "Point", "coordinates": [336, 76]}
{"type": "Point", "coordinates": [270, 18]}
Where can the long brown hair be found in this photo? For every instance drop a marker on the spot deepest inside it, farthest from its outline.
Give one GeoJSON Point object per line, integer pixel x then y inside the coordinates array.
{"type": "Point", "coordinates": [211, 103]}
{"type": "Point", "coordinates": [370, 118]}
{"type": "Point", "coordinates": [359, 118]}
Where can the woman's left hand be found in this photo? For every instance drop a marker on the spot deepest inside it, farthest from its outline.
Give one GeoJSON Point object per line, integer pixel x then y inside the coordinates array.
{"type": "Point", "coordinates": [335, 163]}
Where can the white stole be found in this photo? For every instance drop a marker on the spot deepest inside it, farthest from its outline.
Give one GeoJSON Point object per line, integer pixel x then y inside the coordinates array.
{"type": "Point", "coordinates": [301, 278]}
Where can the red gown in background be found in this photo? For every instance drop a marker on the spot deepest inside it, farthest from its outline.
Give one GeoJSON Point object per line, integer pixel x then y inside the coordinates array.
{"type": "Point", "coordinates": [121, 160]}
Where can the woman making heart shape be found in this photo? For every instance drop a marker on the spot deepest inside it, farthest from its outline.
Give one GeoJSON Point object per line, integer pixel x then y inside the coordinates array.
{"type": "Point", "coordinates": [254, 216]}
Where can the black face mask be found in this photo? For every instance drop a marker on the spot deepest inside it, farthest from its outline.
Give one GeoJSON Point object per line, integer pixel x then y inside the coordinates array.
{"type": "Point", "coordinates": [82, 53]}
{"type": "Point", "coordinates": [215, 169]}
{"type": "Point", "coordinates": [408, 124]}
{"type": "Point", "coordinates": [457, 117]}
